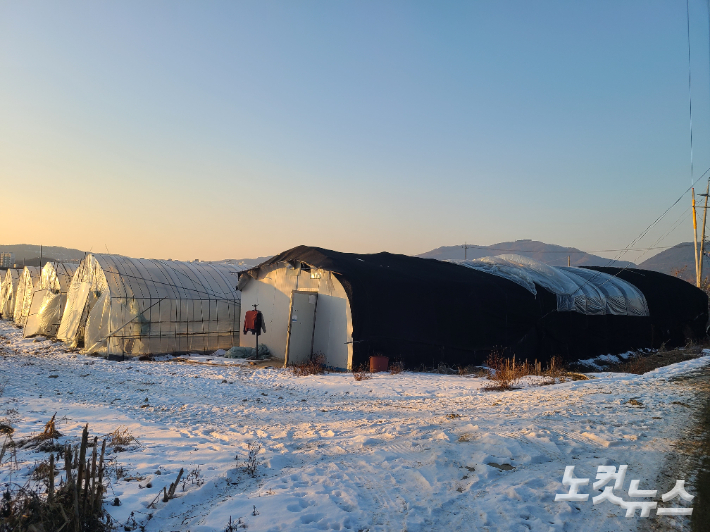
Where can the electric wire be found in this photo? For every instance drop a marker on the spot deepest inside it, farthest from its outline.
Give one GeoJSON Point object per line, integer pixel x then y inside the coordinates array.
{"type": "Point", "coordinates": [690, 89]}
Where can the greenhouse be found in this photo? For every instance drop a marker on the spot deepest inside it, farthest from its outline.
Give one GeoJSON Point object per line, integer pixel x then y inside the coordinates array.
{"type": "Point", "coordinates": [8, 292]}
{"type": "Point", "coordinates": [25, 289]}
{"type": "Point", "coordinates": [424, 312]}
{"type": "Point", "coordinates": [49, 299]}
{"type": "Point", "coordinates": [122, 306]}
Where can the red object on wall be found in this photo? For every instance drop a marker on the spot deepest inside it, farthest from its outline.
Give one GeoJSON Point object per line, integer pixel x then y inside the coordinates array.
{"type": "Point", "coordinates": [379, 363]}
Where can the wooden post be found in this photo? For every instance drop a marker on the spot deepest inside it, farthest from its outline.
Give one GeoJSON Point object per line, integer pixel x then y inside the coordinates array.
{"type": "Point", "coordinates": [77, 519]}
{"type": "Point", "coordinates": [67, 462]}
{"type": "Point", "coordinates": [93, 474]}
{"type": "Point", "coordinates": [100, 479]}
{"type": "Point", "coordinates": [702, 240]}
{"type": "Point", "coordinates": [87, 473]}
{"type": "Point", "coordinates": [50, 486]}
{"type": "Point", "coordinates": [174, 485]}
{"type": "Point", "coordinates": [82, 455]}
{"type": "Point", "coordinates": [695, 238]}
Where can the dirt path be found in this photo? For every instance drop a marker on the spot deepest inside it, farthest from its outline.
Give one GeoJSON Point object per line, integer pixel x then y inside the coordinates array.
{"type": "Point", "coordinates": [701, 459]}
{"type": "Point", "coordinates": [690, 459]}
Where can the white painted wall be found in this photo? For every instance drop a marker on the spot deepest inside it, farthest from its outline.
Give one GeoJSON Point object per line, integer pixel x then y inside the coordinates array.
{"type": "Point", "coordinates": [272, 292]}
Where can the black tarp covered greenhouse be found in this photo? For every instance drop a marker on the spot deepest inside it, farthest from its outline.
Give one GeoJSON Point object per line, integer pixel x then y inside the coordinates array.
{"type": "Point", "coordinates": [427, 312]}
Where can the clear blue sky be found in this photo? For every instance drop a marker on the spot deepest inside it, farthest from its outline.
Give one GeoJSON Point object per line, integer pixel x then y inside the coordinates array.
{"type": "Point", "coordinates": [233, 129]}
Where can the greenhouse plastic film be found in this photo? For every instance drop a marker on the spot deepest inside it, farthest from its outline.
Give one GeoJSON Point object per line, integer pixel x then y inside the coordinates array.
{"type": "Point", "coordinates": [141, 306]}
{"type": "Point", "coordinates": [73, 311]}
{"type": "Point", "coordinates": [577, 289]}
{"type": "Point", "coordinates": [25, 289]}
{"type": "Point", "coordinates": [7, 293]}
{"type": "Point", "coordinates": [32, 325]}
{"type": "Point", "coordinates": [49, 299]}
{"type": "Point", "coordinates": [50, 315]}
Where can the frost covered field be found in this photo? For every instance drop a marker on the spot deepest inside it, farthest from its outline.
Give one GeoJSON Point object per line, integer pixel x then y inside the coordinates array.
{"type": "Point", "coordinates": [409, 452]}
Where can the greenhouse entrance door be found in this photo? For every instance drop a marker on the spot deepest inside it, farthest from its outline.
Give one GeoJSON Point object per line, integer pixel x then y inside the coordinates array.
{"type": "Point", "coordinates": [301, 326]}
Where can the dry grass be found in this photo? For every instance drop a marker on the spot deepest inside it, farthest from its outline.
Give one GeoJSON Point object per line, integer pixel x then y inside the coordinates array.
{"type": "Point", "coordinates": [44, 441]}
{"type": "Point", "coordinates": [505, 373]}
{"type": "Point", "coordinates": [315, 365]}
{"type": "Point", "coordinates": [396, 368]}
{"type": "Point", "coordinates": [120, 438]}
{"type": "Point", "coordinates": [194, 478]}
{"type": "Point", "coordinates": [634, 364]}
{"type": "Point", "coordinates": [252, 462]}
{"type": "Point", "coordinates": [77, 504]}
{"type": "Point", "coordinates": [362, 373]}
{"type": "Point", "coordinates": [50, 431]}
{"type": "Point", "coordinates": [640, 362]}
{"type": "Point", "coordinates": [9, 449]}
{"type": "Point", "coordinates": [475, 371]}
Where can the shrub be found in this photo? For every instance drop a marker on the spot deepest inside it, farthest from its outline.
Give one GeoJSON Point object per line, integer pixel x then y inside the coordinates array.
{"type": "Point", "coordinates": [315, 365]}
{"type": "Point", "coordinates": [252, 461]}
{"type": "Point", "coordinates": [505, 372]}
{"type": "Point", "coordinates": [396, 368]}
{"type": "Point", "coordinates": [362, 373]}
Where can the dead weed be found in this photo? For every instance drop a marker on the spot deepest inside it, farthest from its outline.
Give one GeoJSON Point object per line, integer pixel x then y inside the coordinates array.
{"type": "Point", "coordinates": [315, 365]}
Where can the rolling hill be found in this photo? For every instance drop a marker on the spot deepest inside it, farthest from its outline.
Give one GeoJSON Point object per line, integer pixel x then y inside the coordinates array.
{"type": "Point", "coordinates": [29, 253]}
{"type": "Point", "coordinates": [678, 260]}
{"type": "Point", "coordinates": [547, 253]}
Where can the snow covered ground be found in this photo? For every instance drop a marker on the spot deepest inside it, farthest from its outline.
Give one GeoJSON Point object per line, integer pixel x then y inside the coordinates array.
{"type": "Point", "coordinates": [411, 452]}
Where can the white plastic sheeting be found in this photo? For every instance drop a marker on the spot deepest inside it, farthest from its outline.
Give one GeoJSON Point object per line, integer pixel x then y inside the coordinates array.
{"type": "Point", "coordinates": [577, 289]}
{"type": "Point", "coordinates": [8, 292]}
{"type": "Point", "coordinates": [49, 299]}
{"type": "Point", "coordinates": [25, 289]}
{"type": "Point", "coordinates": [120, 305]}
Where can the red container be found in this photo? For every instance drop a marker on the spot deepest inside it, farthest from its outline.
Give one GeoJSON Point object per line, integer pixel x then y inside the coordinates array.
{"type": "Point", "coordinates": [379, 363]}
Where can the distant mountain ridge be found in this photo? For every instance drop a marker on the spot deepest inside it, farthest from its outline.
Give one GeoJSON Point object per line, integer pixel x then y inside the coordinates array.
{"type": "Point", "coordinates": [245, 263]}
{"type": "Point", "coordinates": [31, 252]}
{"type": "Point", "coordinates": [540, 251]}
{"type": "Point", "coordinates": [678, 260]}
{"type": "Point", "coordinates": [29, 255]}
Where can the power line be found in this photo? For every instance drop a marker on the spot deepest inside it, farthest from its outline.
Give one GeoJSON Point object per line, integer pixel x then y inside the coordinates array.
{"type": "Point", "coordinates": [641, 235]}
{"type": "Point", "coordinates": [655, 222]}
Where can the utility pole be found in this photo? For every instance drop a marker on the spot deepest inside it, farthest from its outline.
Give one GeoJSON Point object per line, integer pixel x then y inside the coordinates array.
{"type": "Point", "coordinates": [702, 240]}
{"type": "Point", "coordinates": [695, 239]}
{"type": "Point", "coordinates": [465, 250]}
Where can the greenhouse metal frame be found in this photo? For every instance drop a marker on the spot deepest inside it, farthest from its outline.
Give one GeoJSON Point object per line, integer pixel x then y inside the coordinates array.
{"type": "Point", "coordinates": [123, 306]}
